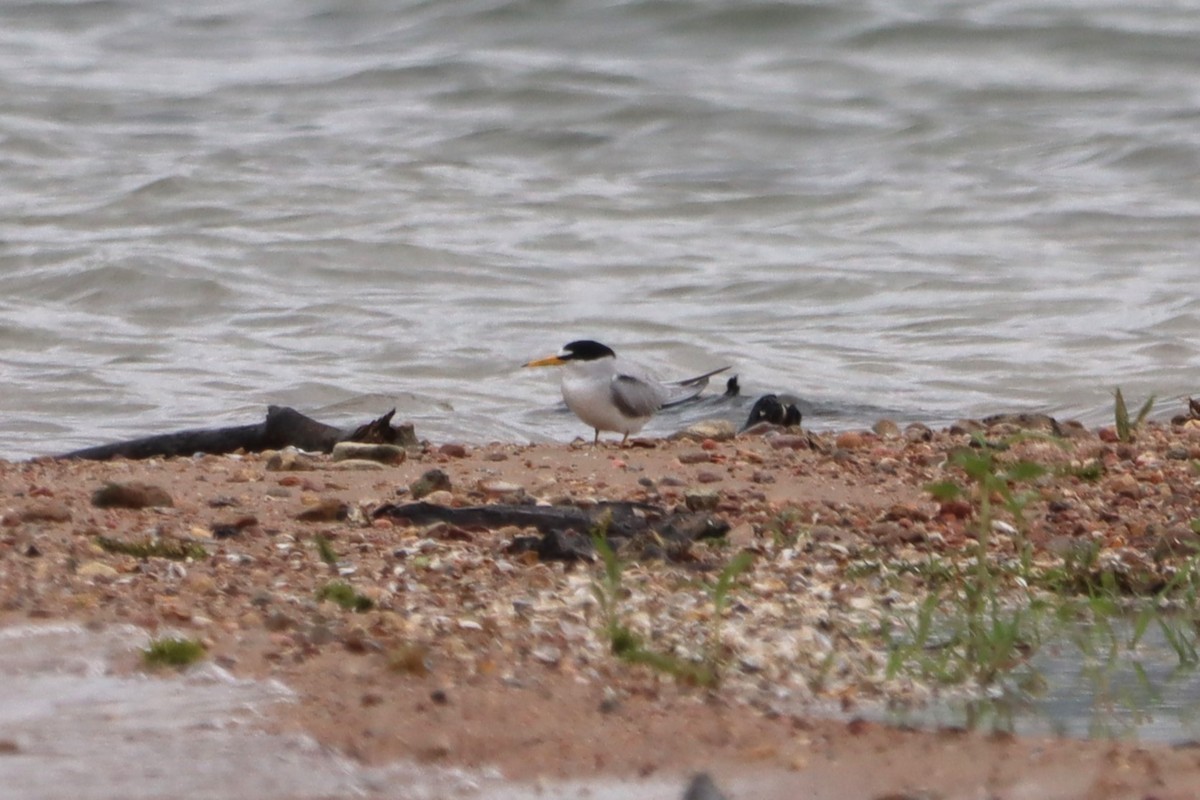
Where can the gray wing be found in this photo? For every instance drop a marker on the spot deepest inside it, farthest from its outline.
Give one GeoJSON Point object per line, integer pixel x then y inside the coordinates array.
{"type": "Point", "coordinates": [635, 397]}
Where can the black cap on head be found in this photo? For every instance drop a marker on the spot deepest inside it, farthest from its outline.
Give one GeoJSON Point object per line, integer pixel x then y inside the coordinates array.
{"type": "Point", "coordinates": [586, 350]}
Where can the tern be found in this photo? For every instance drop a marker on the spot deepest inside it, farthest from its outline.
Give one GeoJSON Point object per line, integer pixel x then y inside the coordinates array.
{"type": "Point", "coordinates": [612, 395]}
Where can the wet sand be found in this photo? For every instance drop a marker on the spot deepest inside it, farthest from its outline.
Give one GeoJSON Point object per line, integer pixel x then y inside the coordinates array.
{"type": "Point", "coordinates": [479, 659]}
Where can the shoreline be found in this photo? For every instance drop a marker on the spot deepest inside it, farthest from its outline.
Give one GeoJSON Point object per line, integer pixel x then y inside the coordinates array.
{"type": "Point", "coordinates": [478, 658]}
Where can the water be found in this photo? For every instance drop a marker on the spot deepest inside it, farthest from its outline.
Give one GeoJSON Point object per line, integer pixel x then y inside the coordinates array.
{"type": "Point", "coordinates": [920, 210]}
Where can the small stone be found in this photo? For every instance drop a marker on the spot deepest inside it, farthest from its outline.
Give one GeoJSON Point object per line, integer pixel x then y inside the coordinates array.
{"type": "Point", "coordinates": [702, 788]}
{"type": "Point", "coordinates": [1126, 485]}
{"type": "Point", "coordinates": [453, 450]}
{"type": "Point", "coordinates": [328, 510]}
{"type": "Point", "coordinates": [381, 453]}
{"type": "Point", "coordinates": [436, 749]}
{"type": "Point", "coordinates": [742, 535]}
{"type": "Point", "coordinates": [886, 429]}
{"type": "Point", "coordinates": [718, 430]}
{"type": "Point", "coordinates": [359, 465]}
{"type": "Point", "coordinates": [956, 509]}
{"type": "Point", "coordinates": [46, 512]}
{"type": "Point", "coordinates": [228, 530]}
{"type": "Point", "coordinates": [918, 432]}
{"type": "Point", "coordinates": [289, 461]}
{"type": "Point", "coordinates": [131, 495]}
{"type": "Point", "coordinates": [499, 488]}
{"type": "Point", "coordinates": [906, 511]}
{"type": "Point", "coordinates": [431, 481]}
{"type": "Point", "coordinates": [694, 457]}
{"type": "Point", "coordinates": [547, 654]}
{"type": "Point", "coordinates": [96, 569]}
{"type": "Point", "coordinates": [850, 440]}
{"type": "Point", "coordinates": [701, 499]}
{"type": "Point", "coordinates": [440, 498]}
{"type": "Point", "coordinates": [789, 441]}
{"type": "Point", "coordinates": [966, 426]}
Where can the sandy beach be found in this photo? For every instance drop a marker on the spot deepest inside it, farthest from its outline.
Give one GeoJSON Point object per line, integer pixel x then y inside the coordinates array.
{"type": "Point", "coordinates": [477, 654]}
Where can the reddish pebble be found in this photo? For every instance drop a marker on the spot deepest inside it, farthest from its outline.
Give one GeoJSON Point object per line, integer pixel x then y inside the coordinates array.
{"type": "Point", "coordinates": [1107, 435]}
{"type": "Point", "coordinates": [958, 509]}
{"type": "Point", "coordinates": [453, 450]}
{"type": "Point", "coordinates": [850, 440]}
{"type": "Point", "coordinates": [708, 444]}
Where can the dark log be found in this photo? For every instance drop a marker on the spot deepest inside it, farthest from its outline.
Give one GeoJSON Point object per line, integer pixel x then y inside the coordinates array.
{"type": "Point", "coordinates": [654, 531]}
{"type": "Point", "coordinates": [283, 427]}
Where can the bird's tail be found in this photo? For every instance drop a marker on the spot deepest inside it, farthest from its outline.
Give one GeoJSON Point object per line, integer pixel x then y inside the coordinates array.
{"type": "Point", "coordinates": [684, 390]}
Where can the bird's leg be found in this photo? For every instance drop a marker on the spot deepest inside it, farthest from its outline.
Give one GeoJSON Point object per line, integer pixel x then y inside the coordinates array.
{"type": "Point", "coordinates": [596, 441]}
{"type": "Point", "coordinates": [624, 440]}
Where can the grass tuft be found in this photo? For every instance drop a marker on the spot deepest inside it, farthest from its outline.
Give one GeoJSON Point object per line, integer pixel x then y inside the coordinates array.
{"type": "Point", "coordinates": [172, 651]}
{"type": "Point", "coordinates": [154, 548]}
{"type": "Point", "coordinates": [626, 645]}
{"type": "Point", "coordinates": [325, 549]}
{"type": "Point", "coordinates": [1126, 427]}
{"type": "Point", "coordinates": [345, 596]}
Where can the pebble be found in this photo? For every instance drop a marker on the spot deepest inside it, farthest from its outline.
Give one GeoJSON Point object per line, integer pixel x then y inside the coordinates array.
{"type": "Point", "coordinates": [45, 512]}
{"type": "Point", "coordinates": [701, 499]}
{"type": "Point", "coordinates": [96, 569]}
{"type": "Point", "coordinates": [717, 430]}
{"type": "Point", "coordinates": [850, 440]}
{"type": "Point", "coordinates": [359, 465]}
{"type": "Point", "coordinates": [547, 654]}
{"type": "Point", "coordinates": [289, 461]}
{"type": "Point", "coordinates": [381, 453]}
{"type": "Point", "coordinates": [440, 498]}
{"type": "Point", "coordinates": [886, 429]}
{"type": "Point", "coordinates": [433, 480]}
{"type": "Point", "coordinates": [327, 510]}
{"type": "Point", "coordinates": [131, 495]}
{"type": "Point", "coordinates": [499, 488]}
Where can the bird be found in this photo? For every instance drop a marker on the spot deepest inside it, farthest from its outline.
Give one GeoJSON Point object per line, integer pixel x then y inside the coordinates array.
{"type": "Point", "coordinates": [769, 408]}
{"type": "Point", "coordinates": [612, 395]}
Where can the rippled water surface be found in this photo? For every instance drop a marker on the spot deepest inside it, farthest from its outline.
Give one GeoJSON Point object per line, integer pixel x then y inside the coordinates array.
{"type": "Point", "coordinates": [918, 210]}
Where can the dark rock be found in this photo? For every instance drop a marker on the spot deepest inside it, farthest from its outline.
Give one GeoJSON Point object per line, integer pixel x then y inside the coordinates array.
{"type": "Point", "coordinates": [228, 530]}
{"type": "Point", "coordinates": [555, 545]}
{"type": "Point", "coordinates": [702, 787]}
{"type": "Point", "coordinates": [131, 495]}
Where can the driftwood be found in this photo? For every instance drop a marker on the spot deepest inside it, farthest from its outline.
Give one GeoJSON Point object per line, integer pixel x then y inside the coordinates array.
{"type": "Point", "coordinates": [283, 427]}
{"type": "Point", "coordinates": [566, 531]}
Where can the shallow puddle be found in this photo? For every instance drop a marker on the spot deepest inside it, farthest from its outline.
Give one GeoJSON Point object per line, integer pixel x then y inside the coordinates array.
{"type": "Point", "coordinates": [72, 727]}
{"type": "Point", "coordinates": [1105, 689]}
